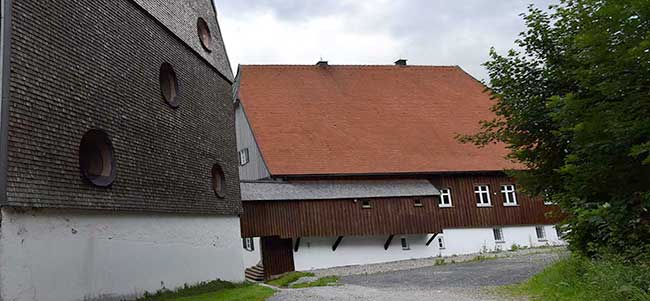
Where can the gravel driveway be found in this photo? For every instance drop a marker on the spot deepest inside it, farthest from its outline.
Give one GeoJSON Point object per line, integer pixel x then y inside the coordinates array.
{"type": "Point", "coordinates": [459, 281]}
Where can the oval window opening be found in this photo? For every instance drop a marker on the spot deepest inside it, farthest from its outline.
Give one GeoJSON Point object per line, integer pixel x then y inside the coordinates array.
{"type": "Point", "coordinates": [168, 85]}
{"type": "Point", "coordinates": [204, 34]}
{"type": "Point", "coordinates": [218, 180]}
{"type": "Point", "coordinates": [96, 158]}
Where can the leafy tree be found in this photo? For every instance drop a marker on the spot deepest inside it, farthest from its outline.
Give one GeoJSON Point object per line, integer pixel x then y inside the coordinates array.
{"type": "Point", "coordinates": [573, 106]}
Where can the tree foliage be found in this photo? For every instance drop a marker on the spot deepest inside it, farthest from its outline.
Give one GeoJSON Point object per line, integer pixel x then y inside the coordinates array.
{"type": "Point", "coordinates": [573, 105]}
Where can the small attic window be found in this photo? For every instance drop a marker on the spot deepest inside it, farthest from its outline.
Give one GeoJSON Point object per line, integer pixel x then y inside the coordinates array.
{"type": "Point", "coordinates": [96, 161]}
{"type": "Point", "coordinates": [417, 203]}
{"type": "Point", "coordinates": [218, 181]}
{"type": "Point", "coordinates": [204, 34]}
{"type": "Point", "coordinates": [365, 204]}
{"type": "Point", "coordinates": [169, 85]}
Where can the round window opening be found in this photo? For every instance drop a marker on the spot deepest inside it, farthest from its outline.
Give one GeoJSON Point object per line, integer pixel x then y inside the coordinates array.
{"type": "Point", "coordinates": [218, 180]}
{"type": "Point", "coordinates": [204, 34]}
{"type": "Point", "coordinates": [96, 158]}
{"type": "Point", "coordinates": [169, 85]}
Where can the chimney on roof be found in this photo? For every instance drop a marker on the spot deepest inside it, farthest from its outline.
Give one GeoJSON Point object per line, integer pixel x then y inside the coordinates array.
{"type": "Point", "coordinates": [400, 62]}
{"type": "Point", "coordinates": [322, 63]}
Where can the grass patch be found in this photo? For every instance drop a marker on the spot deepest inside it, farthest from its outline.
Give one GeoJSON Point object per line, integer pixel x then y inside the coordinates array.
{"type": "Point", "coordinates": [252, 292]}
{"type": "Point", "coordinates": [481, 258]}
{"type": "Point", "coordinates": [439, 261]}
{"type": "Point", "coordinates": [579, 278]}
{"type": "Point", "coordinates": [216, 290]}
{"type": "Point", "coordinates": [323, 281]}
{"type": "Point", "coordinates": [516, 247]}
{"type": "Point", "coordinates": [288, 278]}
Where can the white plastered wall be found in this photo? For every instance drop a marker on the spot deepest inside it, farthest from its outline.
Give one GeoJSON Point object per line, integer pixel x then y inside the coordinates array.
{"type": "Point", "coordinates": [252, 258]}
{"type": "Point", "coordinates": [102, 255]}
{"type": "Point", "coordinates": [316, 252]}
{"type": "Point", "coordinates": [474, 240]}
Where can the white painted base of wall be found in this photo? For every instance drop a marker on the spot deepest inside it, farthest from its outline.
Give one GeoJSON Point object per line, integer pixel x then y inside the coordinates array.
{"type": "Point", "coordinates": [316, 252]}
{"type": "Point", "coordinates": [100, 255]}
{"type": "Point", "coordinates": [467, 241]}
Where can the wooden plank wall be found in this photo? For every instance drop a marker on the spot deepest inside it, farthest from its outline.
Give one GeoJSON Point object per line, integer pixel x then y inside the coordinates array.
{"type": "Point", "coordinates": [277, 256]}
{"type": "Point", "coordinates": [394, 215]}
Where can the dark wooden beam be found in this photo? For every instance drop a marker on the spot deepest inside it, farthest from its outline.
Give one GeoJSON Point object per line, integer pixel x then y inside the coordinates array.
{"type": "Point", "coordinates": [387, 244]}
{"type": "Point", "coordinates": [297, 245]}
{"type": "Point", "coordinates": [431, 239]}
{"type": "Point", "coordinates": [336, 243]}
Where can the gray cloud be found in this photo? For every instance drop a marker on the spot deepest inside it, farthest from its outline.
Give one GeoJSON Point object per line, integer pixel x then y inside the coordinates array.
{"type": "Point", "coordinates": [371, 32]}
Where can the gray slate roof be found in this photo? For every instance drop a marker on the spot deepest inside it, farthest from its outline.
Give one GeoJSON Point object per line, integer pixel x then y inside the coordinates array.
{"type": "Point", "coordinates": [180, 17]}
{"type": "Point", "coordinates": [320, 190]}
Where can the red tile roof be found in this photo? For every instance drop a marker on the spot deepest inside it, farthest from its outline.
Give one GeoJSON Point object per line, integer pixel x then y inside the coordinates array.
{"type": "Point", "coordinates": [311, 120]}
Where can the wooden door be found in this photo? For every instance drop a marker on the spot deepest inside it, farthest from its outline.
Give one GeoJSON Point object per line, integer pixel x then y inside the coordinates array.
{"type": "Point", "coordinates": [277, 255]}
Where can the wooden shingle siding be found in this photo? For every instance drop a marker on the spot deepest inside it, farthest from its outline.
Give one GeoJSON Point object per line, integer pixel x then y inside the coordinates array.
{"type": "Point", "coordinates": [95, 64]}
{"type": "Point", "coordinates": [394, 215]}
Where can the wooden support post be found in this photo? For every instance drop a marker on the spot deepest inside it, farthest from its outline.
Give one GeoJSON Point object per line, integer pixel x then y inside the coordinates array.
{"type": "Point", "coordinates": [336, 243]}
{"type": "Point", "coordinates": [387, 244]}
{"type": "Point", "coordinates": [431, 239]}
{"type": "Point", "coordinates": [297, 245]}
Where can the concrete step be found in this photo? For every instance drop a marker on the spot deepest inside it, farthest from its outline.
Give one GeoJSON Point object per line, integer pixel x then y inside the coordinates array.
{"type": "Point", "coordinates": [255, 273]}
{"type": "Point", "coordinates": [254, 277]}
{"type": "Point", "coordinates": [257, 269]}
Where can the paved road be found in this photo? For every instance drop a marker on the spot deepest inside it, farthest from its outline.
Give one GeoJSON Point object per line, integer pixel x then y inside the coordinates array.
{"type": "Point", "coordinates": [460, 281]}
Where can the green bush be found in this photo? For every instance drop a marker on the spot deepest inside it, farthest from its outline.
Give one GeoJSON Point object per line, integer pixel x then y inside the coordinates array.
{"type": "Point", "coordinates": [572, 102]}
{"type": "Point", "coordinates": [580, 278]}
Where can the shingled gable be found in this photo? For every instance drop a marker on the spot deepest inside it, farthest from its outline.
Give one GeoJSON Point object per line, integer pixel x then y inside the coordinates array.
{"type": "Point", "coordinates": [339, 120]}
{"type": "Point", "coordinates": [180, 16]}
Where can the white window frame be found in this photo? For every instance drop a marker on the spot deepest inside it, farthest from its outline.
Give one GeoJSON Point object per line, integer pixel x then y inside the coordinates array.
{"type": "Point", "coordinates": [500, 239]}
{"type": "Point", "coordinates": [445, 192]}
{"type": "Point", "coordinates": [405, 243]}
{"type": "Point", "coordinates": [482, 195]}
{"type": "Point", "coordinates": [560, 234]}
{"type": "Point", "coordinates": [509, 190]}
{"type": "Point", "coordinates": [243, 157]}
{"type": "Point", "coordinates": [547, 200]}
{"type": "Point", "coordinates": [249, 244]}
{"type": "Point", "coordinates": [540, 230]}
{"type": "Point", "coordinates": [441, 243]}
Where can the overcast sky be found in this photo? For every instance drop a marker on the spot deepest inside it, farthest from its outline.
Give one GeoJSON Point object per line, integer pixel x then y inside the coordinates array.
{"type": "Point", "coordinates": [426, 32]}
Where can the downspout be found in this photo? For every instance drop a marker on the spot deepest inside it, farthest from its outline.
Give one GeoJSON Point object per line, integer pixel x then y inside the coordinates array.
{"type": "Point", "coordinates": [5, 64]}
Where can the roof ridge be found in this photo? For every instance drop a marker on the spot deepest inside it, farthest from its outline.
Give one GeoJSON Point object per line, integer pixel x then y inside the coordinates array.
{"type": "Point", "coordinates": [352, 66]}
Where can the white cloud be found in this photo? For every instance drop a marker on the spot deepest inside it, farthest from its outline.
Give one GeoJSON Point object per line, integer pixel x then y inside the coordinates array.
{"type": "Point", "coordinates": [427, 32]}
{"type": "Point", "coordinates": [263, 38]}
